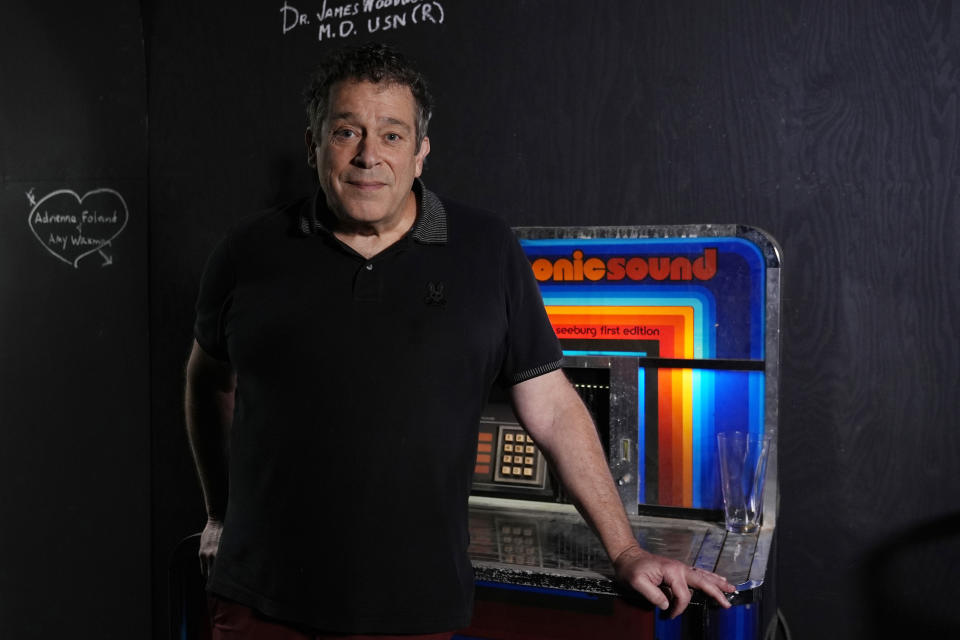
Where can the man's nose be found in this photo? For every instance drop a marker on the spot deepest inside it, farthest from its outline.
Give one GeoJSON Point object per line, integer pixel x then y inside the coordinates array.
{"type": "Point", "coordinates": [367, 155]}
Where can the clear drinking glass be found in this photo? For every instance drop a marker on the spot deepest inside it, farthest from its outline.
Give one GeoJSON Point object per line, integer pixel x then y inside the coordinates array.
{"type": "Point", "coordinates": [743, 468]}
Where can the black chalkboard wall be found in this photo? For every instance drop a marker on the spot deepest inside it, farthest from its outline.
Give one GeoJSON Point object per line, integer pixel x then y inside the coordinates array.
{"type": "Point", "coordinates": [74, 349]}
{"type": "Point", "coordinates": [834, 126]}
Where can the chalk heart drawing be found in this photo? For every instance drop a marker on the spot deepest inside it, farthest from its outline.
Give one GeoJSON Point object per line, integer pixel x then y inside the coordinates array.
{"type": "Point", "coordinates": [72, 227]}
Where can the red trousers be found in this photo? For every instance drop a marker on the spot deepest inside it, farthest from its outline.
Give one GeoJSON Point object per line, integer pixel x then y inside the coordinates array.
{"type": "Point", "coordinates": [234, 621]}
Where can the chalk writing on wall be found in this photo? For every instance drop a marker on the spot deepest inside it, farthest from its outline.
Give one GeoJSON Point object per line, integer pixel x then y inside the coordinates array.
{"type": "Point", "coordinates": [71, 227]}
{"type": "Point", "coordinates": [350, 19]}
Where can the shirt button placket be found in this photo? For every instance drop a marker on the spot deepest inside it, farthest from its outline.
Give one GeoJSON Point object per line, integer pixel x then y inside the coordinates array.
{"type": "Point", "coordinates": [367, 284]}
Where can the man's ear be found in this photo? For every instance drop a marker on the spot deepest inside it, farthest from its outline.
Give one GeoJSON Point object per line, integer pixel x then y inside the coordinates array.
{"type": "Point", "coordinates": [311, 148]}
{"type": "Point", "coordinates": [421, 156]}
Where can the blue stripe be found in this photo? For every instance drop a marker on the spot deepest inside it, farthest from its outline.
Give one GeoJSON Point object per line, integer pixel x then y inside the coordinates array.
{"type": "Point", "coordinates": [641, 435]}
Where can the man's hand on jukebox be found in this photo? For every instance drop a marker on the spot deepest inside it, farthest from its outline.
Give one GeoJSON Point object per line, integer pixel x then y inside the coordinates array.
{"type": "Point", "coordinates": [654, 577]}
{"type": "Point", "coordinates": [552, 412]}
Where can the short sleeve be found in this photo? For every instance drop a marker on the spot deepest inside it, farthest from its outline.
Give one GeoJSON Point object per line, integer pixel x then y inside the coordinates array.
{"type": "Point", "coordinates": [532, 347]}
{"type": "Point", "coordinates": [213, 302]}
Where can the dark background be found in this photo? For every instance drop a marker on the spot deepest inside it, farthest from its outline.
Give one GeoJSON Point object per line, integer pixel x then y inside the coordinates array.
{"type": "Point", "coordinates": [835, 126]}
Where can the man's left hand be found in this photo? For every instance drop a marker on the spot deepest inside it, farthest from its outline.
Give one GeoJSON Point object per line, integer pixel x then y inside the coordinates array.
{"type": "Point", "coordinates": [649, 573]}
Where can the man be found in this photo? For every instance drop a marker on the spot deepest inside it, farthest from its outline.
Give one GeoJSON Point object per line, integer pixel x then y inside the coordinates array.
{"type": "Point", "coordinates": [346, 345]}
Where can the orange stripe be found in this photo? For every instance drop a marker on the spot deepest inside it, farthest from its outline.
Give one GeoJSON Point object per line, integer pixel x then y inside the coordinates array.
{"type": "Point", "coordinates": [676, 324]}
{"type": "Point", "coordinates": [676, 433]}
{"type": "Point", "coordinates": [664, 439]}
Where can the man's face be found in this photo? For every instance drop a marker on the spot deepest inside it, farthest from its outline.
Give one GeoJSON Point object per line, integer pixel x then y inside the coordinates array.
{"type": "Point", "coordinates": [366, 152]}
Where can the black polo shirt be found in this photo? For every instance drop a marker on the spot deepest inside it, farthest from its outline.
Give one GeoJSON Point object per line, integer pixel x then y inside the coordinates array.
{"type": "Point", "coordinates": [360, 386]}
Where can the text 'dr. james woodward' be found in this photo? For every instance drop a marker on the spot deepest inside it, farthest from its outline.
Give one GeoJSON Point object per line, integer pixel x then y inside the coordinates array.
{"type": "Point", "coordinates": [330, 19]}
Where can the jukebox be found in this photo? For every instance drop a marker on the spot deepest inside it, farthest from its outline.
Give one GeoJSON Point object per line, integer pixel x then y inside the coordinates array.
{"type": "Point", "coordinates": [670, 335]}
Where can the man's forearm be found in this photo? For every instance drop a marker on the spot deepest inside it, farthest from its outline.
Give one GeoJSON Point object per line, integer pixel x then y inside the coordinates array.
{"type": "Point", "coordinates": [208, 408]}
{"type": "Point", "coordinates": [555, 416]}
{"type": "Point", "coordinates": [576, 455]}
{"type": "Point", "coordinates": [564, 431]}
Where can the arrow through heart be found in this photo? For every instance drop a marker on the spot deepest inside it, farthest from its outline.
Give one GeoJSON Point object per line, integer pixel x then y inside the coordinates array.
{"type": "Point", "coordinates": [72, 227]}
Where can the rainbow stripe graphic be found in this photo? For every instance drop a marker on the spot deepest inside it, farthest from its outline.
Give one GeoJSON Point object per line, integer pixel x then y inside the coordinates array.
{"type": "Point", "coordinates": [641, 292]}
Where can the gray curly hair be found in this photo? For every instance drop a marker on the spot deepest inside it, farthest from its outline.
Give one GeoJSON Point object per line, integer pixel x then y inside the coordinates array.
{"type": "Point", "coordinates": [372, 62]}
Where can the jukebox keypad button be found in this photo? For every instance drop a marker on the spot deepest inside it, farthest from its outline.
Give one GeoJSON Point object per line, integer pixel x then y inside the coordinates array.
{"type": "Point", "coordinates": [518, 457]}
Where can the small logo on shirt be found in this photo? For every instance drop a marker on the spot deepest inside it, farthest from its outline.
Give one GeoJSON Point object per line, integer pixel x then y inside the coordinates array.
{"type": "Point", "coordinates": [435, 297]}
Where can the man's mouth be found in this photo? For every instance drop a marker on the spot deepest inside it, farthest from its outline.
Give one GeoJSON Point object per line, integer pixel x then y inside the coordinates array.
{"type": "Point", "coordinates": [366, 185]}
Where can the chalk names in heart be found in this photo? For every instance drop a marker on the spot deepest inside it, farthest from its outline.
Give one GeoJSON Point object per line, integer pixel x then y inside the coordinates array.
{"type": "Point", "coordinates": [71, 227]}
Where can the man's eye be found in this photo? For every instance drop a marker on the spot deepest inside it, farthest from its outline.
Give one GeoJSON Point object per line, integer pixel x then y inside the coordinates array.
{"type": "Point", "coordinates": [344, 133]}
{"type": "Point", "coordinates": [393, 137]}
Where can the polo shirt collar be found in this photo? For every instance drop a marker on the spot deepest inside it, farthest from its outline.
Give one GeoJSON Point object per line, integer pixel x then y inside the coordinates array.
{"type": "Point", "coordinates": [430, 227]}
